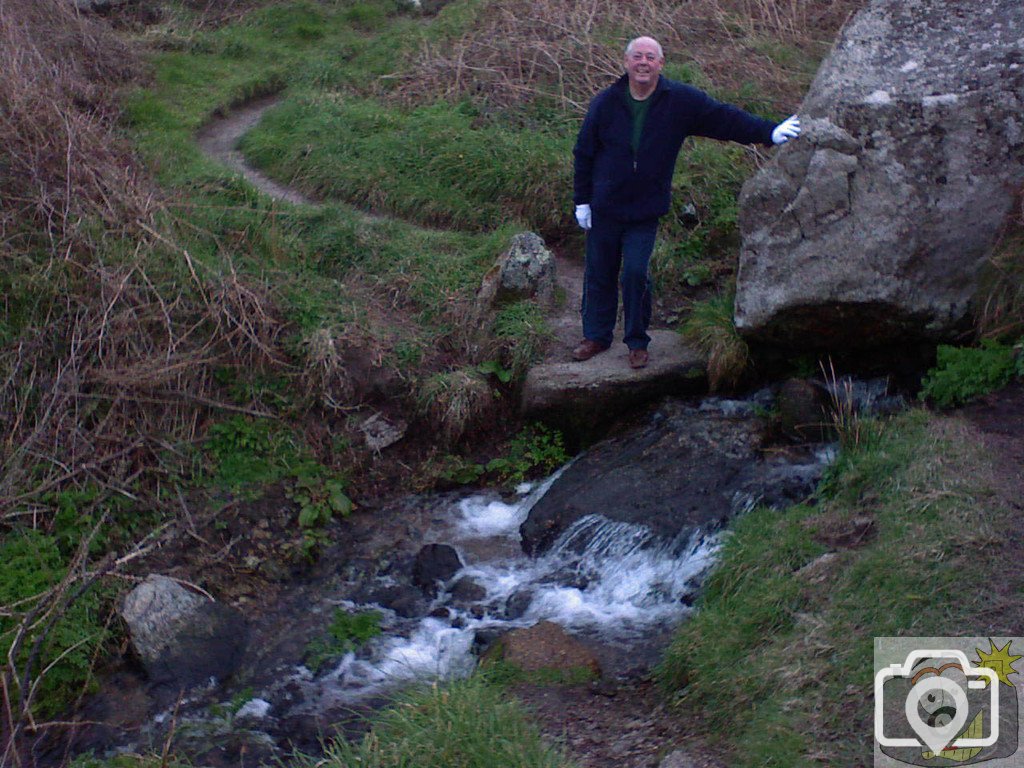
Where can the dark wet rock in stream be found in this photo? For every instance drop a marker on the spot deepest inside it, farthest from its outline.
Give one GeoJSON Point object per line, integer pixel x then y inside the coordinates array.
{"type": "Point", "coordinates": [466, 591]}
{"type": "Point", "coordinates": [687, 468]}
{"type": "Point", "coordinates": [517, 603]}
{"type": "Point", "coordinates": [434, 564]}
{"type": "Point", "coordinates": [406, 601]}
{"type": "Point", "coordinates": [803, 410]}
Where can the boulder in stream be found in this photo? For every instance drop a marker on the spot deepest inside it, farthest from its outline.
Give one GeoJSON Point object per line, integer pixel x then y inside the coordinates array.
{"type": "Point", "coordinates": [434, 564]}
{"type": "Point", "coordinates": [688, 468]}
{"type": "Point", "coordinates": [183, 638]}
{"type": "Point", "coordinates": [681, 471]}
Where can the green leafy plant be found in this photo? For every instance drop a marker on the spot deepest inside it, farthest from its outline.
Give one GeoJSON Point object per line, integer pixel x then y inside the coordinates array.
{"type": "Point", "coordinates": [496, 369]}
{"type": "Point", "coordinates": [536, 450]}
{"type": "Point", "coordinates": [346, 632]}
{"type": "Point", "coordinates": [697, 274]}
{"type": "Point", "coordinates": [247, 450]}
{"type": "Point", "coordinates": [963, 373]}
{"type": "Point", "coordinates": [459, 470]}
{"type": "Point", "coordinates": [31, 565]}
{"type": "Point", "coordinates": [319, 498]}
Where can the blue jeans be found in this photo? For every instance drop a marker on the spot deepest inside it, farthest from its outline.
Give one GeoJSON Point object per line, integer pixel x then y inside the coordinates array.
{"type": "Point", "coordinates": [614, 247]}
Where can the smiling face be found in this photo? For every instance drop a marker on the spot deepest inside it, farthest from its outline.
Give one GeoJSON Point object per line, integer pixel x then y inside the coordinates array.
{"type": "Point", "coordinates": [644, 61]}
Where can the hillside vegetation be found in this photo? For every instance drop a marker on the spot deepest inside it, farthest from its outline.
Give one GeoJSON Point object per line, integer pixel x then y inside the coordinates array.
{"type": "Point", "coordinates": [169, 335]}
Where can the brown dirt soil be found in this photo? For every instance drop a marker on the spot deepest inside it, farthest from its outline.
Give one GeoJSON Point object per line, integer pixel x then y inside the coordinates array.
{"type": "Point", "coordinates": [997, 421]}
{"type": "Point", "coordinates": [627, 724]}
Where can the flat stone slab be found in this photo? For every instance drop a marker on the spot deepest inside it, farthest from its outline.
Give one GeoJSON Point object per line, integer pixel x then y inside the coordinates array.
{"type": "Point", "coordinates": [605, 385]}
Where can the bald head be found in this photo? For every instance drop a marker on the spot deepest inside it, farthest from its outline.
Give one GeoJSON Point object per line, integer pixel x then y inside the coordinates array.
{"type": "Point", "coordinates": [645, 41]}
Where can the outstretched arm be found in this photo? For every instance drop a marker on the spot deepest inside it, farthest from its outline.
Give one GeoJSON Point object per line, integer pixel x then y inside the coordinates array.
{"type": "Point", "coordinates": [718, 120]}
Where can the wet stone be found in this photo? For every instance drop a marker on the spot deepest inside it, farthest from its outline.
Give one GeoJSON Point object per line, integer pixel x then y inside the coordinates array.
{"type": "Point", "coordinates": [466, 591]}
{"type": "Point", "coordinates": [518, 603]}
{"type": "Point", "coordinates": [435, 563]}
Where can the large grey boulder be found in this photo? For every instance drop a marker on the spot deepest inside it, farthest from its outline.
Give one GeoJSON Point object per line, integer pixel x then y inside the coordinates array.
{"type": "Point", "coordinates": [182, 638]}
{"type": "Point", "coordinates": [873, 227]}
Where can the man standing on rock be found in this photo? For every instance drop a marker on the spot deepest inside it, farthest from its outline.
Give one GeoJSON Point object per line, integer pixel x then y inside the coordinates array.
{"type": "Point", "coordinates": [625, 157]}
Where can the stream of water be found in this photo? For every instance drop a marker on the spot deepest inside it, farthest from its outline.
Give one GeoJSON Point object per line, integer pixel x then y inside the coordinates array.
{"type": "Point", "coordinates": [615, 585]}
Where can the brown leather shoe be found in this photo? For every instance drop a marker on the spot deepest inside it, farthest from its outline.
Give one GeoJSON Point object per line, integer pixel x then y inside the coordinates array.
{"type": "Point", "coordinates": [638, 358]}
{"type": "Point", "coordinates": [587, 349]}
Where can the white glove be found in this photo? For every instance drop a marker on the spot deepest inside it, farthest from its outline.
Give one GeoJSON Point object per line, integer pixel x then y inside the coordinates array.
{"type": "Point", "coordinates": [583, 215]}
{"type": "Point", "coordinates": [786, 130]}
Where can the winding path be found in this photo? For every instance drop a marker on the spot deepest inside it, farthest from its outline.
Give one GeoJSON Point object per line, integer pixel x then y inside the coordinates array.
{"type": "Point", "coordinates": [557, 388]}
{"type": "Point", "coordinates": [219, 140]}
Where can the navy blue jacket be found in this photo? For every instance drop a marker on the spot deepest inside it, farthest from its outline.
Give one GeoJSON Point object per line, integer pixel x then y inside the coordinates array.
{"type": "Point", "coordinates": [628, 187]}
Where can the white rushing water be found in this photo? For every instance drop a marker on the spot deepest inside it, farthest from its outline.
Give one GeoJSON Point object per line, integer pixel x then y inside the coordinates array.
{"type": "Point", "coordinates": [601, 579]}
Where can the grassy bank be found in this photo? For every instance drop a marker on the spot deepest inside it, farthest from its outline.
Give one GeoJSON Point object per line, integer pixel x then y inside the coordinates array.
{"type": "Point", "coordinates": [466, 724]}
{"type": "Point", "coordinates": [778, 660]}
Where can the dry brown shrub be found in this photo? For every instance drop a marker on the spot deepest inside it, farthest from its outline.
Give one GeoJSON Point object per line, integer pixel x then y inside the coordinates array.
{"type": "Point", "coordinates": [111, 333]}
{"type": "Point", "coordinates": [520, 49]}
{"type": "Point", "coordinates": [455, 401]}
{"type": "Point", "coordinates": [62, 167]}
{"type": "Point", "coordinates": [119, 347]}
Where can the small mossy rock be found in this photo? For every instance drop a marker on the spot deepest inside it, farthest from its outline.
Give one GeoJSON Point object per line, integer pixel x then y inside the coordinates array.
{"type": "Point", "coordinates": [545, 647]}
{"type": "Point", "coordinates": [525, 271]}
{"type": "Point", "coordinates": [404, 600]}
{"type": "Point", "coordinates": [434, 563]}
{"type": "Point", "coordinates": [182, 638]}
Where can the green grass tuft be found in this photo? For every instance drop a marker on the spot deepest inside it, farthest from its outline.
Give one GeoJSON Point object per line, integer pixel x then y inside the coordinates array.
{"type": "Point", "coordinates": [710, 327]}
{"type": "Point", "coordinates": [464, 724]}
